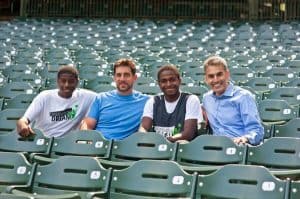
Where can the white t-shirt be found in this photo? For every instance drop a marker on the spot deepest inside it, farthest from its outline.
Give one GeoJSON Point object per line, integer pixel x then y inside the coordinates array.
{"type": "Point", "coordinates": [55, 115]}
{"type": "Point", "coordinates": [193, 108]}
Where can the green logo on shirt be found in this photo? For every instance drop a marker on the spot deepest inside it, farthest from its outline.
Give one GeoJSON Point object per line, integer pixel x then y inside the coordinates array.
{"type": "Point", "coordinates": [177, 129]}
{"type": "Point", "coordinates": [73, 112]}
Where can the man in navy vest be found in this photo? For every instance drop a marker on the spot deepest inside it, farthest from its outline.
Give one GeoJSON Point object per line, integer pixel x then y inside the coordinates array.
{"type": "Point", "coordinates": [174, 114]}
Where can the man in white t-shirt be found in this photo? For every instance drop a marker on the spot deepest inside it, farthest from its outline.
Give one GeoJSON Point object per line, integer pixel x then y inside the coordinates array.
{"type": "Point", "coordinates": [58, 111]}
{"type": "Point", "coordinates": [174, 114]}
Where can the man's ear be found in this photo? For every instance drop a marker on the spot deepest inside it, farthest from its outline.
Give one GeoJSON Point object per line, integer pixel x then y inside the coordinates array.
{"type": "Point", "coordinates": [78, 80]}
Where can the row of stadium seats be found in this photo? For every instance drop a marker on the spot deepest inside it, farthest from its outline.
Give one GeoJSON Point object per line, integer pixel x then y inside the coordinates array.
{"type": "Point", "coordinates": [262, 87]}
{"type": "Point", "coordinates": [84, 177]}
{"type": "Point", "coordinates": [261, 56]}
{"type": "Point", "coordinates": [40, 44]}
{"type": "Point", "coordinates": [191, 74]}
{"type": "Point", "coordinates": [204, 154]}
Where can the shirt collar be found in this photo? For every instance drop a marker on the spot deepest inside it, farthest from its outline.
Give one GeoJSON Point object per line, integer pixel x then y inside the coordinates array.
{"type": "Point", "coordinates": [228, 92]}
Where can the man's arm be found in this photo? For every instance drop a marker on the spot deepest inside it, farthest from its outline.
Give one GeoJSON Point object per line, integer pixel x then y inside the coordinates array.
{"type": "Point", "coordinates": [23, 127]}
{"type": "Point", "coordinates": [30, 115]}
{"type": "Point", "coordinates": [193, 116]}
{"type": "Point", "coordinates": [188, 133]}
{"type": "Point", "coordinates": [146, 124]}
{"type": "Point", "coordinates": [88, 124]}
{"type": "Point", "coordinates": [147, 120]}
{"type": "Point", "coordinates": [253, 127]}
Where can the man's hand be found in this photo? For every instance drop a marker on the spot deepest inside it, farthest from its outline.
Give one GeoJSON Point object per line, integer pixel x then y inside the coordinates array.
{"type": "Point", "coordinates": [23, 128]}
{"type": "Point", "coordinates": [240, 140]}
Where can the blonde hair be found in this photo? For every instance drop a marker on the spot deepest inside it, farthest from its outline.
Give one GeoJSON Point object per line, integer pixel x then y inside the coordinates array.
{"type": "Point", "coordinates": [215, 61]}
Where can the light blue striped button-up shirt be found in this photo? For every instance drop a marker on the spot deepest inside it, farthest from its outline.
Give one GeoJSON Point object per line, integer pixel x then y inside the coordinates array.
{"type": "Point", "coordinates": [234, 114]}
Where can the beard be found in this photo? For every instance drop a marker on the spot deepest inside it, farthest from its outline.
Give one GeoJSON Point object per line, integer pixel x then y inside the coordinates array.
{"type": "Point", "coordinates": [123, 87]}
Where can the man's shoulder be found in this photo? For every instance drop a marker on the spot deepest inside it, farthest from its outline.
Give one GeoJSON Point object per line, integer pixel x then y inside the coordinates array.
{"type": "Point", "coordinates": [138, 94]}
{"type": "Point", "coordinates": [48, 92]}
{"type": "Point", "coordinates": [192, 99]}
{"type": "Point", "coordinates": [208, 94]}
{"type": "Point", "coordinates": [186, 94]}
{"type": "Point", "coordinates": [243, 95]}
{"type": "Point", "coordinates": [107, 95]}
{"type": "Point", "coordinates": [241, 91]}
{"type": "Point", "coordinates": [85, 92]}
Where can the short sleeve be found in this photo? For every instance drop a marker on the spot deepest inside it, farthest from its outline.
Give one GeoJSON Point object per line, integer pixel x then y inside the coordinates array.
{"type": "Point", "coordinates": [94, 109]}
{"type": "Point", "coordinates": [148, 108]}
{"type": "Point", "coordinates": [35, 107]}
{"type": "Point", "coordinates": [193, 109]}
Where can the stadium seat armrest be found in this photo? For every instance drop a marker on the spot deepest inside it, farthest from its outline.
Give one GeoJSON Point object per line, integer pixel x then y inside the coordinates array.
{"type": "Point", "coordinates": [15, 189]}
{"type": "Point", "coordinates": [113, 164]}
{"type": "Point", "coordinates": [100, 194]}
{"type": "Point", "coordinates": [41, 159]}
{"type": "Point", "coordinates": [200, 169]}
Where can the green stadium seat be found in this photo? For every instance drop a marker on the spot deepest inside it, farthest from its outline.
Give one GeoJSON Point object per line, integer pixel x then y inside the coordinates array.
{"type": "Point", "coordinates": [187, 81]}
{"type": "Point", "coordinates": [280, 75]}
{"type": "Point", "coordinates": [241, 74]}
{"type": "Point", "coordinates": [279, 155]}
{"type": "Point", "coordinates": [103, 88]}
{"type": "Point", "coordinates": [289, 129]}
{"type": "Point", "coordinates": [294, 65]}
{"type": "Point", "coordinates": [16, 70]}
{"type": "Point", "coordinates": [261, 84]}
{"type": "Point", "coordinates": [243, 60]}
{"type": "Point", "coordinates": [293, 83]}
{"type": "Point", "coordinates": [196, 90]}
{"type": "Point", "coordinates": [139, 146]}
{"type": "Point", "coordinates": [290, 94]}
{"type": "Point", "coordinates": [11, 90]}
{"type": "Point", "coordinates": [76, 143]}
{"type": "Point", "coordinates": [35, 144]}
{"type": "Point", "coordinates": [260, 66]}
{"type": "Point", "coordinates": [98, 80]}
{"type": "Point", "coordinates": [20, 101]}
{"type": "Point", "coordinates": [33, 79]}
{"type": "Point", "coordinates": [14, 170]}
{"type": "Point", "coordinates": [145, 81]}
{"type": "Point", "coordinates": [241, 181]}
{"type": "Point", "coordinates": [67, 177]}
{"type": "Point", "coordinates": [8, 119]}
{"type": "Point", "coordinates": [208, 153]}
{"type": "Point", "coordinates": [11, 196]}
{"type": "Point", "coordinates": [197, 74]}
{"type": "Point", "coordinates": [275, 111]}
{"type": "Point", "coordinates": [146, 89]}
{"type": "Point", "coordinates": [295, 190]}
{"type": "Point", "coordinates": [152, 179]}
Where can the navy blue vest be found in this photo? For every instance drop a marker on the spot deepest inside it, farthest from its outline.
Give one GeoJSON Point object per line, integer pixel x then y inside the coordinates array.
{"type": "Point", "coordinates": [165, 123]}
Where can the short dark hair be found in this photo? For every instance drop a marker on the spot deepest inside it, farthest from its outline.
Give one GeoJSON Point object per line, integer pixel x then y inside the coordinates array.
{"type": "Point", "coordinates": [69, 69]}
{"type": "Point", "coordinates": [170, 67]}
{"type": "Point", "coordinates": [127, 63]}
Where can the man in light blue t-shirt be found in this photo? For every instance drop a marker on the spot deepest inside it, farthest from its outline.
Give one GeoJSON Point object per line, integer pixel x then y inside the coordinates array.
{"type": "Point", "coordinates": [117, 113]}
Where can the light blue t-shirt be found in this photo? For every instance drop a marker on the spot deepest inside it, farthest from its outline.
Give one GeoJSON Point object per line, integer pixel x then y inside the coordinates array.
{"type": "Point", "coordinates": [234, 114]}
{"type": "Point", "coordinates": [118, 116]}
